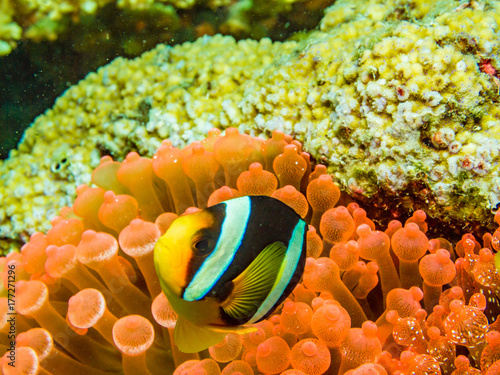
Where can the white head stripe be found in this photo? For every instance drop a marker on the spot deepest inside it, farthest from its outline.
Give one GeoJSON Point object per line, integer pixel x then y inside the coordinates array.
{"type": "Point", "coordinates": [231, 234]}
{"type": "Point", "coordinates": [288, 267]}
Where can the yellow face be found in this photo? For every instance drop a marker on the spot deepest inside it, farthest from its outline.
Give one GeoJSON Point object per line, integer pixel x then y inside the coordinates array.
{"type": "Point", "coordinates": [175, 248]}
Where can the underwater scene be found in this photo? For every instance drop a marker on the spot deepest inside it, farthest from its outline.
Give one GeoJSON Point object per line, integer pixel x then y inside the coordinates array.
{"type": "Point", "coordinates": [247, 187]}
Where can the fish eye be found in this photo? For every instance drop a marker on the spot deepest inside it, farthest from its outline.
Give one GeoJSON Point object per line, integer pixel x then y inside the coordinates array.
{"type": "Point", "coordinates": [202, 245]}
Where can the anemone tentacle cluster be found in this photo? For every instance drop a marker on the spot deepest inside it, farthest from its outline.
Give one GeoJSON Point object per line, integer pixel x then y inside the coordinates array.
{"type": "Point", "coordinates": [394, 301]}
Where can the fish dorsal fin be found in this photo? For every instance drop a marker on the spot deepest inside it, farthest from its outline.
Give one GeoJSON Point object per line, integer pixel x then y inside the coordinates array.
{"type": "Point", "coordinates": [191, 338]}
{"type": "Point", "coordinates": [255, 282]}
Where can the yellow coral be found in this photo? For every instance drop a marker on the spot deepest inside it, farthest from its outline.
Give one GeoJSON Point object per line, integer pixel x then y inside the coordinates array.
{"type": "Point", "coordinates": [370, 93]}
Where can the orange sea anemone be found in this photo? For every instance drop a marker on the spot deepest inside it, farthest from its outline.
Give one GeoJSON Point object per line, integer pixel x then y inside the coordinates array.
{"type": "Point", "coordinates": [87, 298]}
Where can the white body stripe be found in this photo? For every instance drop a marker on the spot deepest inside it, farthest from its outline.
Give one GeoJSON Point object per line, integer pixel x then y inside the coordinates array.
{"type": "Point", "coordinates": [289, 266]}
{"type": "Point", "coordinates": [231, 234]}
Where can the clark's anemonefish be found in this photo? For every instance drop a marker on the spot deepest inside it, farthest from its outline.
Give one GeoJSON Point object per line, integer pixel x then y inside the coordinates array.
{"type": "Point", "coordinates": [228, 266]}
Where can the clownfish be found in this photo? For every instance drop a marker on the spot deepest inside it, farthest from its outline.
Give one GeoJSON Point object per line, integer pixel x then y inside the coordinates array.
{"type": "Point", "coordinates": [228, 266]}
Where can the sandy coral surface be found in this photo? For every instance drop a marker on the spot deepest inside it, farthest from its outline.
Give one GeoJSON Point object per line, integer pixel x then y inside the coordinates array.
{"type": "Point", "coordinates": [399, 101]}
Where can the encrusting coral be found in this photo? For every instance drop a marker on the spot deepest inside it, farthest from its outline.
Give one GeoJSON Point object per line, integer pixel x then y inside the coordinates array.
{"type": "Point", "coordinates": [399, 100]}
{"type": "Point", "coordinates": [88, 300]}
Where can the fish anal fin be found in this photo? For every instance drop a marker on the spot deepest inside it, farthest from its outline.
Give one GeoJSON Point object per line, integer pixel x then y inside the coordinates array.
{"type": "Point", "coordinates": [253, 285]}
{"type": "Point", "coordinates": [191, 338]}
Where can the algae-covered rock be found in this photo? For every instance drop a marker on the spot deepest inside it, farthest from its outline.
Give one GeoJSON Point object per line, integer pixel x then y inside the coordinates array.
{"type": "Point", "coordinates": [400, 101]}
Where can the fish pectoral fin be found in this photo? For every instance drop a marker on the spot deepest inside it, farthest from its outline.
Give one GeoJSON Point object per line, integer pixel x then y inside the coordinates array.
{"type": "Point", "coordinates": [253, 285]}
{"type": "Point", "coordinates": [191, 338]}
